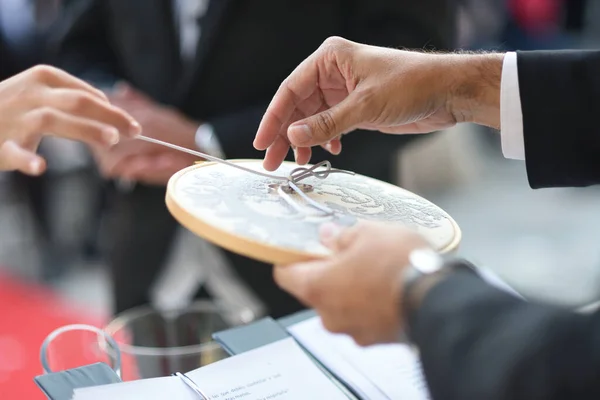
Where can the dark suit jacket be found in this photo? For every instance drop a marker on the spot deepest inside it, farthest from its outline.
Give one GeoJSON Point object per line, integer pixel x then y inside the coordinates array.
{"type": "Point", "coordinates": [8, 65]}
{"type": "Point", "coordinates": [247, 48]}
{"type": "Point", "coordinates": [560, 98]}
{"type": "Point", "coordinates": [477, 342]}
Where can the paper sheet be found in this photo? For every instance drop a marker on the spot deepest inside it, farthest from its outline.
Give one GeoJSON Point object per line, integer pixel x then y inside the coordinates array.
{"type": "Point", "coordinates": [377, 372]}
{"type": "Point", "coordinates": [274, 372]}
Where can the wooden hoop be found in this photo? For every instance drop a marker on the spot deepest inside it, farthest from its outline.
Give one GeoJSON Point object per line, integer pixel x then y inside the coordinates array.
{"type": "Point", "coordinates": [249, 247]}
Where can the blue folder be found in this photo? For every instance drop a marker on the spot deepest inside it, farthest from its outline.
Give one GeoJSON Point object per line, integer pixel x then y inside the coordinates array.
{"type": "Point", "coordinates": [61, 385]}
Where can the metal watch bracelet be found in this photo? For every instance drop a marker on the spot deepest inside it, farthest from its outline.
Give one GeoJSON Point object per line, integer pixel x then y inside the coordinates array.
{"type": "Point", "coordinates": [423, 264]}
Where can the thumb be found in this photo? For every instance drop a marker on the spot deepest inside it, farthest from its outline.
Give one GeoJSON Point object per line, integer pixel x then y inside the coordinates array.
{"type": "Point", "coordinates": [326, 125]}
{"type": "Point", "coordinates": [13, 157]}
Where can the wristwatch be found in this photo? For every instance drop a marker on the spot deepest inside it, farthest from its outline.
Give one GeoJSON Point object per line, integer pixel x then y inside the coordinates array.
{"type": "Point", "coordinates": [425, 264]}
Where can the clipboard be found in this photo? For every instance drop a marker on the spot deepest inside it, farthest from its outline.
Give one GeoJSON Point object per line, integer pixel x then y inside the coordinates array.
{"type": "Point", "coordinates": [61, 385]}
{"type": "Point", "coordinates": [266, 331]}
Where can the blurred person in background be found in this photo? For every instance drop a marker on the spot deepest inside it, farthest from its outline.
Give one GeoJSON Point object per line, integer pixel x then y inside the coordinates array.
{"type": "Point", "coordinates": [480, 22]}
{"type": "Point", "coordinates": [7, 64]}
{"type": "Point", "coordinates": [543, 24]}
{"type": "Point", "coordinates": [200, 74]}
{"type": "Point", "coordinates": [51, 199]}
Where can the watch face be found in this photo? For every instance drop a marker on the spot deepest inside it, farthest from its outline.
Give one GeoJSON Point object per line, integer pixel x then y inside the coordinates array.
{"type": "Point", "coordinates": [426, 261]}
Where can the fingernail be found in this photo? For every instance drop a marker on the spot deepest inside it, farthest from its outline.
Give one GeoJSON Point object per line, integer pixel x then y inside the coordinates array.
{"type": "Point", "coordinates": [295, 153]}
{"type": "Point", "coordinates": [35, 166]}
{"type": "Point", "coordinates": [110, 136]}
{"type": "Point", "coordinates": [135, 128]}
{"type": "Point", "coordinates": [301, 133]}
{"type": "Point", "coordinates": [329, 231]}
{"type": "Point", "coordinates": [328, 147]}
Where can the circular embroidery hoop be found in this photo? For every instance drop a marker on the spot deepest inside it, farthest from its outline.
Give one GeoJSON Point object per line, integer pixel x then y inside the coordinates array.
{"type": "Point", "coordinates": [245, 213]}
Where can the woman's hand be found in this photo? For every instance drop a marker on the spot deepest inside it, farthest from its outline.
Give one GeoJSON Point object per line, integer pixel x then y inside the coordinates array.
{"type": "Point", "coordinates": [47, 101]}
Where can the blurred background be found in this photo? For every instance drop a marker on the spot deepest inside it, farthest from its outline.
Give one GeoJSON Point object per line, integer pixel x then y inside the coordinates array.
{"type": "Point", "coordinates": [53, 251]}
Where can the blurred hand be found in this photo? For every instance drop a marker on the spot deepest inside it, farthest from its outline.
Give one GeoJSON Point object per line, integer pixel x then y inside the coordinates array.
{"type": "Point", "coordinates": [47, 101]}
{"type": "Point", "coordinates": [144, 162]}
{"type": "Point", "coordinates": [345, 86]}
{"type": "Point", "coordinates": [356, 291]}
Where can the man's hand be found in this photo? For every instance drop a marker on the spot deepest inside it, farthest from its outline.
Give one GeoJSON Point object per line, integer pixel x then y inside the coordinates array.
{"type": "Point", "coordinates": [345, 86]}
{"type": "Point", "coordinates": [140, 161]}
{"type": "Point", "coordinates": [357, 290]}
{"type": "Point", "coordinates": [47, 101]}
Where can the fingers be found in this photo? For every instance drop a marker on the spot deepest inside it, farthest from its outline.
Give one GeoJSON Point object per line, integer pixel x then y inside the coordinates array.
{"type": "Point", "coordinates": [302, 155]}
{"type": "Point", "coordinates": [334, 146]}
{"type": "Point", "coordinates": [337, 238]}
{"type": "Point", "coordinates": [315, 85]}
{"type": "Point", "coordinates": [299, 85]}
{"type": "Point", "coordinates": [68, 126]}
{"type": "Point", "coordinates": [13, 157]}
{"type": "Point", "coordinates": [57, 78]}
{"type": "Point", "coordinates": [82, 105]}
{"type": "Point", "coordinates": [327, 125]}
{"type": "Point", "coordinates": [65, 101]}
{"type": "Point", "coordinates": [276, 153]}
{"type": "Point", "coordinates": [305, 281]}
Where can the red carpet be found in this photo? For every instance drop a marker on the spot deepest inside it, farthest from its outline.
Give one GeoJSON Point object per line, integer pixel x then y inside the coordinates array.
{"type": "Point", "coordinates": [28, 313]}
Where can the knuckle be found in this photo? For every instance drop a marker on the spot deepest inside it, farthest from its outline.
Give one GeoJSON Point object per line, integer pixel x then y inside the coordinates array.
{"type": "Point", "coordinates": [78, 102]}
{"type": "Point", "coordinates": [284, 84]}
{"type": "Point", "coordinates": [326, 126]}
{"type": "Point", "coordinates": [93, 131]}
{"type": "Point", "coordinates": [337, 45]}
{"type": "Point", "coordinates": [42, 73]}
{"type": "Point", "coordinates": [335, 42]}
{"type": "Point", "coordinates": [41, 119]}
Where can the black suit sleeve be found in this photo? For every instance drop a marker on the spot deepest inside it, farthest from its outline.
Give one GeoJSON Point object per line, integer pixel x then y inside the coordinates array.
{"type": "Point", "coordinates": [477, 342]}
{"type": "Point", "coordinates": [560, 100]}
{"type": "Point", "coordinates": [7, 66]}
{"type": "Point", "coordinates": [80, 43]}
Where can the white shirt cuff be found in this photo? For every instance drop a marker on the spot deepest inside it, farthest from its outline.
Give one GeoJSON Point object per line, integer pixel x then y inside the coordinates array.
{"type": "Point", "coordinates": [494, 280]}
{"type": "Point", "coordinates": [511, 115]}
{"type": "Point", "coordinates": [207, 141]}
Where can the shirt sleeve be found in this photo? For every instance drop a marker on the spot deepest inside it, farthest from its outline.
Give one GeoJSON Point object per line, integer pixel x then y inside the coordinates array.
{"type": "Point", "coordinates": [511, 115]}
{"type": "Point", "coordinates": [207, 141]}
